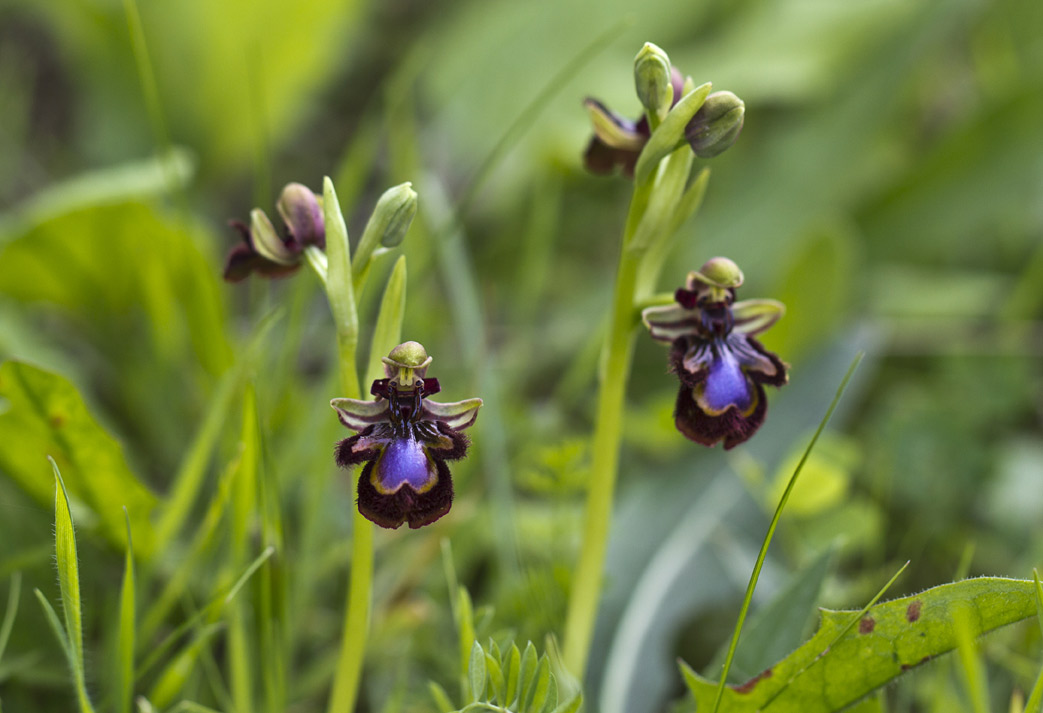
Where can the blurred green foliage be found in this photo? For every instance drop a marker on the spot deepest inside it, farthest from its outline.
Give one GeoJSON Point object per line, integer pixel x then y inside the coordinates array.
{"type": "Point", "coordinates": [887, 186]}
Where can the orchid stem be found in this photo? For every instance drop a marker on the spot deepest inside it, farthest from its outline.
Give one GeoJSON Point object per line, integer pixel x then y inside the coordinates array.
{"type": "Point", "coordinates": [587, 580]}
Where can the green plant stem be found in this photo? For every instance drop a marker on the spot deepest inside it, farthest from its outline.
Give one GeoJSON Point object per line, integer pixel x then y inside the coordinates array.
{"type": "Point", "coordinates": [586, 582]}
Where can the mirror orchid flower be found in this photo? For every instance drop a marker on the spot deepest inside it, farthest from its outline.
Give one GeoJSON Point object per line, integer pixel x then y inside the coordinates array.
{"type": "Point", "coordinates": [404, 439]}
{"type": "Point", "coordinates": [721, 366]}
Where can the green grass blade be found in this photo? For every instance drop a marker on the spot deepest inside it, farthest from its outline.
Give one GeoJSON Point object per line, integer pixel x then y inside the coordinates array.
{"type": "Point", "coordinates": [388, 330]}
{"type": "Point", "coordinates": [127, 627]}
{"type": "Point", "coordinates": [771, 531]}
{"type": "Point", "coordinates": [211, 611]}
{"type": "Point", "coordinates": [172, 679]}
{"type": "Point", "coordinates": [188, 481]}
{"type": "Point", "coordinates": [971, 670]}
{"type": "Point", "coordinates": [10, 612]}
{"type": "Point", "coordinates": [69, 584]}
{"type": "Point", "coordinates": [527, 116]}
{"type": "Point", "coordinates": [56, 626]}
{"type": "Point", "coordinates": [146, 75]}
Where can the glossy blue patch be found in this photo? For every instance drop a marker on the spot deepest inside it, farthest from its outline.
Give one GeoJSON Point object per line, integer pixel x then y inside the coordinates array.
{"type": "Point", "coordinates": [404, 462]}
{"type": "Point", "coordinates": [726, 385]}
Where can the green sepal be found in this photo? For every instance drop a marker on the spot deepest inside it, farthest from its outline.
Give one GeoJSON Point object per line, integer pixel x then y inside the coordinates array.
{"type": "Point", "coordinates": [753, 316]}
{"type": "Point", "coordinates": [358, 415]}
{"type": "Point", "coordinates": [457, 414]}
{"type": "Point", "coordinates": [613, 131]}
{"type": "Point", "coordinates": [670, 322]}
{"type": "Point", "coordinates": [266, 241]}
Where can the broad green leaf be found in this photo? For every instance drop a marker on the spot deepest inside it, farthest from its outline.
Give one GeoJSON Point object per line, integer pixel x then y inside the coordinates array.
{"type": "Point", "coordinates": [47, 416]}
{"type": "Point", "coordinates": [538, 691]}
{"type": "Point", "coordinates": [496, 683]}
{"type": "Point", "coordinates": [527, 674]}
{"type": "Point", "coordinates": [513, 673]}
{"type": "Point", "coordinates": [888, 640]}
{"type": "Point", "coordinates": [118, 266]}
{"type": "Point", "coordinates": [125, 669]}
{"type": "Point", "coordinates": [476, 672]}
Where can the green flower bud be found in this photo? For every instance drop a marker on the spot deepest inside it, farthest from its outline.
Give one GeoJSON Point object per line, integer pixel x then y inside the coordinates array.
{"type": "Point", "coordinates": [716, 125]}
{"type": "Point", "coordinates": [394, 214]}
{"type": "Point", "coordinates": [652, 77]}
{"type": "Point", "coordinates": [267, 242]}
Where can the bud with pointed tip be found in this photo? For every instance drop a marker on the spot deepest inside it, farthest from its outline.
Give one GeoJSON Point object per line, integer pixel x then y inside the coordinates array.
{"type": "Point", "coordinates": [716, 125]}
{"type": "Point", "coordinates": [653, 79]}
{"type": "Point", "coordinates": [394, 213]}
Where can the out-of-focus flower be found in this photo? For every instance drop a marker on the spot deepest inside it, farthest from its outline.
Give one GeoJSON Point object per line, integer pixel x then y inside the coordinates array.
{"type": "Point", "coordinates": [404, 439]}
{"type": "Point", "coordinates": [263, 251]}
{"type": "Point", "coordinates": [721, 366]}
{"type": "Point", "coordinates": [618, 141]}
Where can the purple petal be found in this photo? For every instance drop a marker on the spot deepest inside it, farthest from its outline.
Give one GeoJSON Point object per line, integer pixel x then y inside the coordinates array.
{"type": "Point", "coordinates": [726, 385]}
{"type": "Point", "coordinates": [404, 463]}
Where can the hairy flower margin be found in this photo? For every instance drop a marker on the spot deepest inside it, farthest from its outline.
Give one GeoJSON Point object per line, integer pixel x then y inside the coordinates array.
{"type": "Point", "coordinates": [721, 366]}
{"type": "Point", "coordinates": [263, 251]}
{"type": "Point", "coordinates": [404, 439]}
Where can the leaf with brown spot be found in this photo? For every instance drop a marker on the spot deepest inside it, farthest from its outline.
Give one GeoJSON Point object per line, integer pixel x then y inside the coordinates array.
{"type": "Point", "coordinates": [829, 673]}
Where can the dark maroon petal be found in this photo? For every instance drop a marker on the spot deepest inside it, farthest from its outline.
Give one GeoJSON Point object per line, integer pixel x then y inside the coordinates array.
{"type": "Point", "coordinates": [405, 505]}
{"type": "Point", "coordinates": [686, 298]}
{"type": "Point", "coordinates": [431, 387]}
{"type": "Point", "coordinates": [731, 426]}
{"type": "Point", "coordinates": [242, 260]}
{"type": "Point", "coordinates": [380, 388]}
{"type": "Point", "coordinates": [689, 378]}
{"type": "Point", "coordinates": [602, 159]}
{"type": "Point", "coordinates": [781, 376]}
{"type": "Point", "coordinates": [458, 450]}
{"type": "Point", "coordinates": [347, 457]}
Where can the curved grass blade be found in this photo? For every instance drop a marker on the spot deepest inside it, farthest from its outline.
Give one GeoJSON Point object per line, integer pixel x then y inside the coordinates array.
{"type": "Point", "coordinates": [771, 530]}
